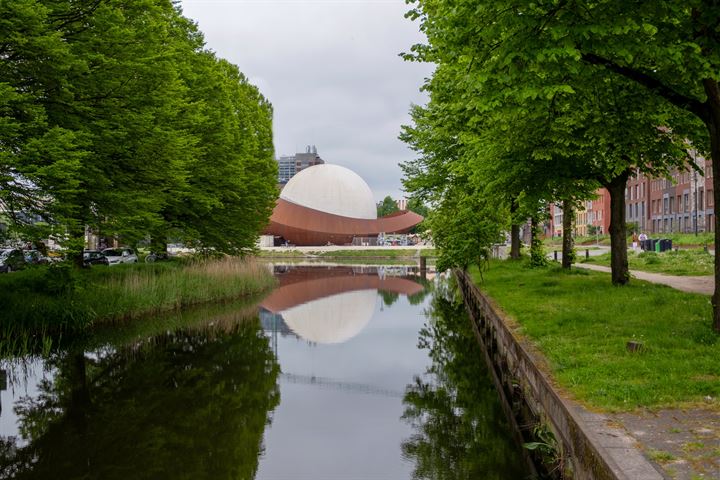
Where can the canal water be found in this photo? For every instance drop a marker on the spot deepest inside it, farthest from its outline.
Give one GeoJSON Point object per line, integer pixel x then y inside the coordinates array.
{"type": "Point", "coordinates": [351, 372]}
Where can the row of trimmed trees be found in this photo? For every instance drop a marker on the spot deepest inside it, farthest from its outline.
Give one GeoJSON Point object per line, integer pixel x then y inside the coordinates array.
{"type": "Point", "coordinates": [537, 102]}
{"type": "Point", "coordinates": [115, 117]}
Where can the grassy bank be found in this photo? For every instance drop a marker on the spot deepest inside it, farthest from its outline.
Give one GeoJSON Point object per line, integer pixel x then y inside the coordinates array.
{"type": "Point", "coordinates": [681, 262]}
{"type": "Point", "coordinates": [581, 323]}
{"type": "Point", "coordinates": [50, 300]}
{"type": "Point", "coordinates": [678, 239]}
{"type": "Point", "coordinates": [556, 242]}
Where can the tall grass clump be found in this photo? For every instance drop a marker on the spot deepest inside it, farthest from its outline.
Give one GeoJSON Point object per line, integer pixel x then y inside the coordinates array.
{"type": "Point", "coordinates": [150, 290]}
{"type": "Point", "coordinates": [43, 301]}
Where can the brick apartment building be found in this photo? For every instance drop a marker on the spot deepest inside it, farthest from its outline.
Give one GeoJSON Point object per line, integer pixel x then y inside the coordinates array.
{"type": "Point", "coordinates": [684, 203]}
{"type": "Point", "coordinates": [594, 212]}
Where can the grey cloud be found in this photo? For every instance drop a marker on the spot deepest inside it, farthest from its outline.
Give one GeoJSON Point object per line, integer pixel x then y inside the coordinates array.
{"type": "Point", "coordinates": [331, 70]}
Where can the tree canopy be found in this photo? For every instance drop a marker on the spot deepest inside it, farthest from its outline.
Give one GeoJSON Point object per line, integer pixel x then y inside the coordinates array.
{"type": "Point", "coordinates": [387, 206]}
{"type": "Point", "coordinates": [114, 117]}
{"type": "Point", "coordinates": [538, 99]}
{"type": "Point", "coordinates": [514, 104]}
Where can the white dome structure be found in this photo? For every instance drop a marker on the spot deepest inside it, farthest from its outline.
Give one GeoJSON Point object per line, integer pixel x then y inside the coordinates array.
{"type": "Point", "coordinates": [334, 319]}
{"type": "Point", "coordinates": [331, 189]}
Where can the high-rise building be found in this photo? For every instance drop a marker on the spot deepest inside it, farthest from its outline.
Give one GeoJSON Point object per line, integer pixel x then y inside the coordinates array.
{"type": "Point", "coordinates": [289, 165]}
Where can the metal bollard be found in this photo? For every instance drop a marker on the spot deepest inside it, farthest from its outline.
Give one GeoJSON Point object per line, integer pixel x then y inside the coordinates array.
{"type": "Point", "coordinates": [587, 253]}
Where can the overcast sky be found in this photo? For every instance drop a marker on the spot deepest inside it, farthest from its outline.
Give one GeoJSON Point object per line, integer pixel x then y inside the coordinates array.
{"type": "Point", "coordinates": [332, 72]}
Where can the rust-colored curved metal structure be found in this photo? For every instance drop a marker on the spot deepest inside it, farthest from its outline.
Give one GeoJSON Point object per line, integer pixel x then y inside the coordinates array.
{"type": "Point", "coordinates": [306, 227]}
{"type": "Point", "coordinates": [305, 284]}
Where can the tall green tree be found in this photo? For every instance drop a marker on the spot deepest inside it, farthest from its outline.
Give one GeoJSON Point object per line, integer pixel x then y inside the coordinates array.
{"type": "Point", "coordinates": [114, 117]}
{"type": "Point", "coordinates": [569, 120]}
{"type": "Point", "coordinates": [387, 206]}
{"type": "Point", "coordinates": [667, 50]}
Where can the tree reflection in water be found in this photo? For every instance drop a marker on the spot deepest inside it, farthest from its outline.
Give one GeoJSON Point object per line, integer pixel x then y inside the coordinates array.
{"type": "Point", "coordinates": [191, 404]}
{"type": "Point", "coordinates": [460, 428]}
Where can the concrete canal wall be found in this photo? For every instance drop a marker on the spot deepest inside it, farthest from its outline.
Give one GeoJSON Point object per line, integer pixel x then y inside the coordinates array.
{"type": "Point", "coordinates": [577, 444]}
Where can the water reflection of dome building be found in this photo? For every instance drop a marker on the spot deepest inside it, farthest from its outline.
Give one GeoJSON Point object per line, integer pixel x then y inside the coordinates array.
{"type": "Point", "coordinates": [309, 300]}
{"type": "Point", "coordinates": [331, 204]}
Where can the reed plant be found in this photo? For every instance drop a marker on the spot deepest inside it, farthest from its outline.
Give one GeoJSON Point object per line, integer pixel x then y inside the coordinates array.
{"type": "Point", "coordinates": [148, 290]}
{"type": "Point", "coordinates": [102, 294]}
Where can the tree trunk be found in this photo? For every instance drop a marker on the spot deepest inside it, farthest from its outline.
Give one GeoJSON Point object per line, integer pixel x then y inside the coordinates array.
{"type": "Point", "coordinates": [537, 252]}
{"type": "Point", "coordinates": [515, 241]}
{"type": "Point", "coordinates": [713, 125]}
{"type": "Point", "coordinates": [514, 232]}
{"type": "Point", "coordinates": [618, 238]}
{"type": "Point", "coordinates": [75, 245]}
{"type": "Point", "coordinates": [568, 247]}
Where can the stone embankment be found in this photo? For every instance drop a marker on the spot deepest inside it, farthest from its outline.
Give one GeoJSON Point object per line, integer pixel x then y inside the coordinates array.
{"type": "Point", "coordinates": [575, 442]}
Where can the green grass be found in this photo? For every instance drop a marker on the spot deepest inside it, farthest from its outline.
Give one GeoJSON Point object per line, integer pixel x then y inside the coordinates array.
{"type": "Point", "coordinates": [688, 239]}
{"type": "Point", "coordinates": [582, 323]}
{"type": "Point", "coordinates": [678, 239]}
{"type": "Point", "coordinates": [279, 253]}
{"type": "Point", "coordinates": [554, 242]}
{"type": "Point", "coordinates": [661, 456]}
{"type": "Point", "coordinates": [681, 262]}
{"type": "Point", "coordinates": [52, 300]}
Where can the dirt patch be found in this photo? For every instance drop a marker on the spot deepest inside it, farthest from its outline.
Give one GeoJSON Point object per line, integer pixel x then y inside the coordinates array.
{"type": "Point", "coordinates": [685, 444]}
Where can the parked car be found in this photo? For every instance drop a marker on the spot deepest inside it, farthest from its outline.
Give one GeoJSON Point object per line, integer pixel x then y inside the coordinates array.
{"type": "Point", "coordinates": [94, 257]}
{"type": "Point", "coordinates": [178, 249]}
{"type": "Point", "coordinates": [34, 257]}
{"type": "Point", "coordinates": [116, 256]}
{"type": "Point", "coordinates": [11, 259]}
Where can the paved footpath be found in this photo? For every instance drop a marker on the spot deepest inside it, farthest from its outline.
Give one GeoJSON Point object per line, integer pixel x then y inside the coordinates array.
{"type": "Point", "coordinates": [701, 284]}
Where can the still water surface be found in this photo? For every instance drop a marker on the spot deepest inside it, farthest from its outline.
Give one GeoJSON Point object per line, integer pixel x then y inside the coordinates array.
{"type": "Point", "coordinates": [340, 373]}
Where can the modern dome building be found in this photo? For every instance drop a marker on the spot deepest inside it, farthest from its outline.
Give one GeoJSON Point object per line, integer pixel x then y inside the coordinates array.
{"type": "Point", "coordinates": [331, 204]}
